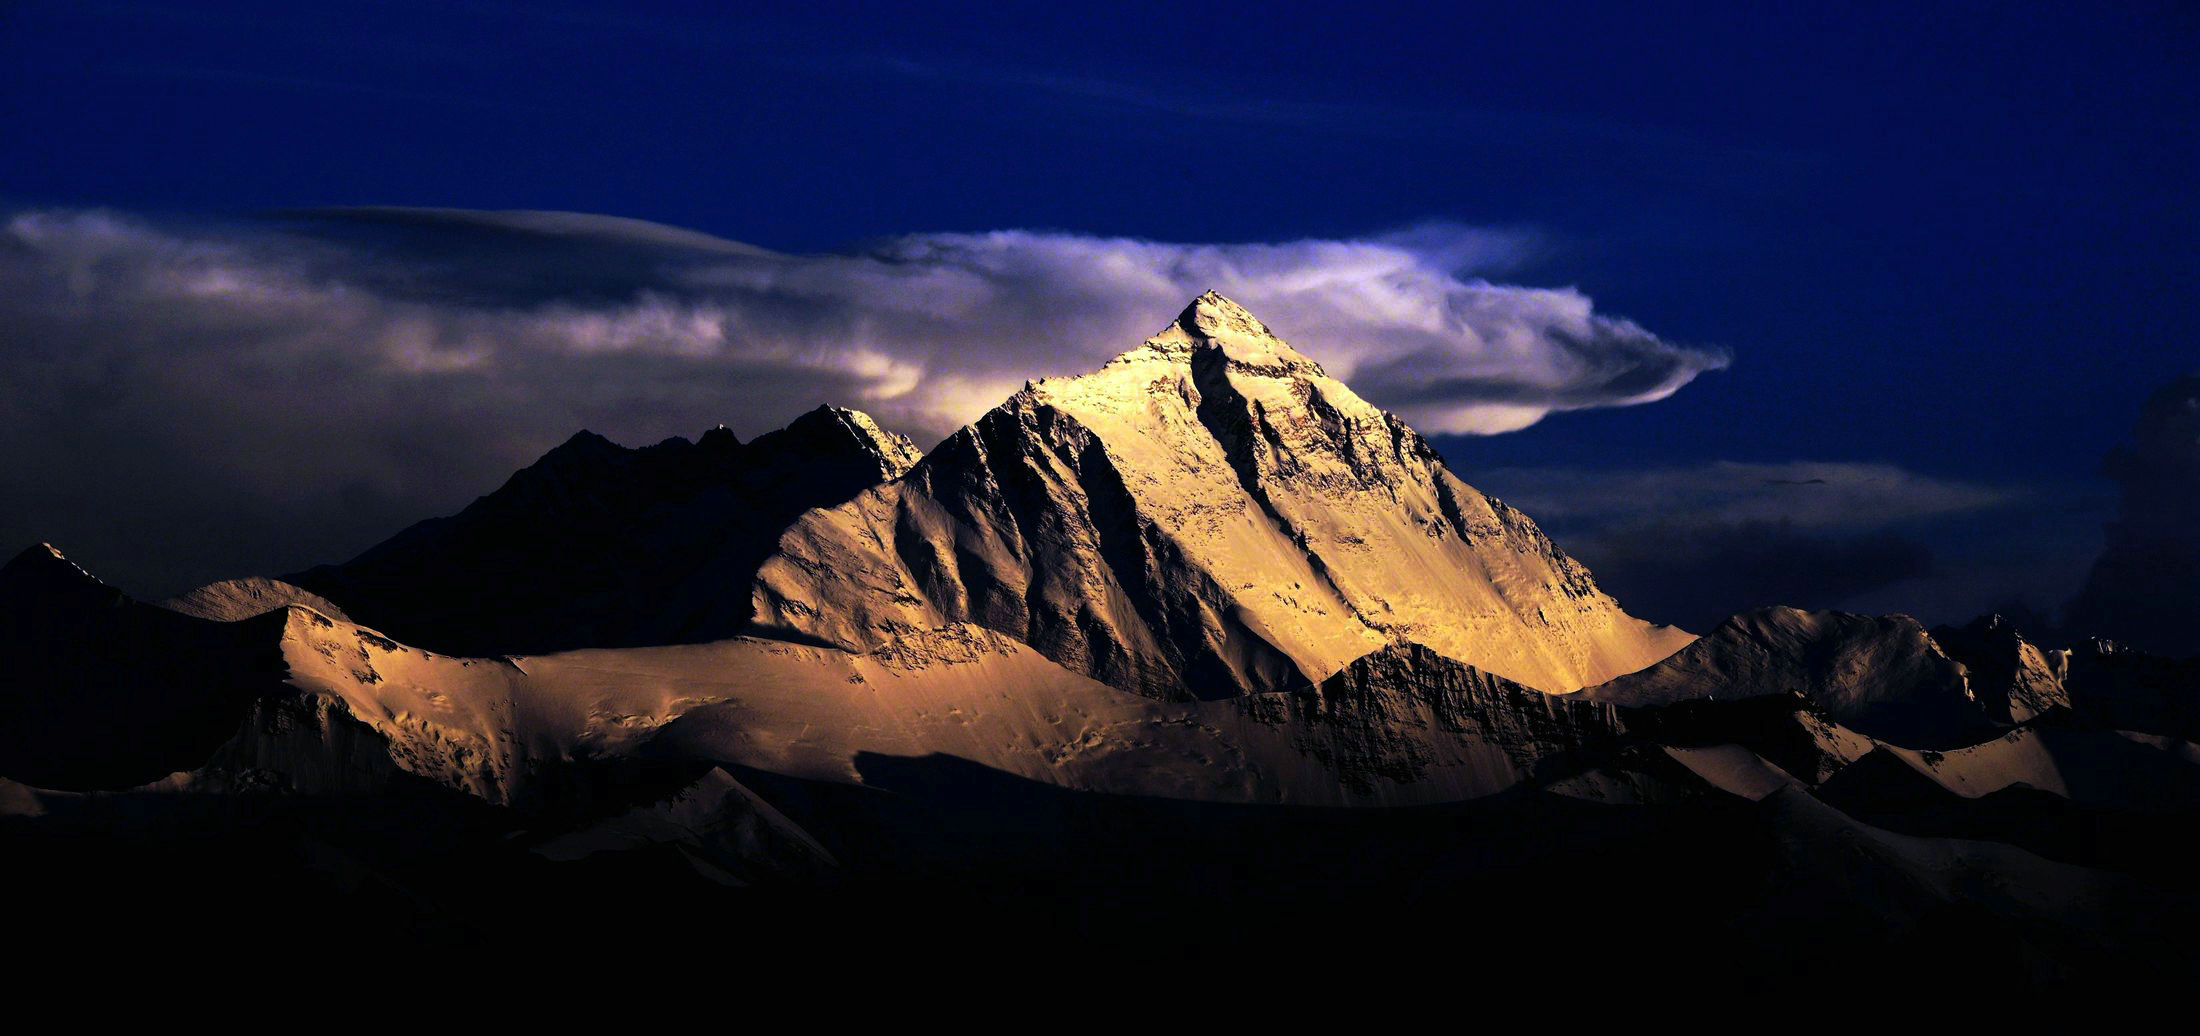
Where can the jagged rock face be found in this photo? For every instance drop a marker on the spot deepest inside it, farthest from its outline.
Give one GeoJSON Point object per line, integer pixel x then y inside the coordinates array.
{"type": "Point", "coordinates": [1208, 515]}
{"type": "Point", "coordinates": [1880, 675]}
{"type": "Point", "coordinates": [1378, 718]}
{"type": "Point", "coordinates": [2009, 677]}
{"type": "Point", "coordinates": [599, 545]}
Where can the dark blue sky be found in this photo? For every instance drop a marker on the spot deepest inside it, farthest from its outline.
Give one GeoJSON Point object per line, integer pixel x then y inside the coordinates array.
{"type": "Point", "coordinates": [1962, 242]}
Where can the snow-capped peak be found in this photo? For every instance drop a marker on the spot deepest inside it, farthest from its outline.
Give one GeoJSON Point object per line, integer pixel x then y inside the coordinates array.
{"type": "Point", "coordinates": [1213, 321]}
{"type": "Point", "coordinates": [1208, 515]}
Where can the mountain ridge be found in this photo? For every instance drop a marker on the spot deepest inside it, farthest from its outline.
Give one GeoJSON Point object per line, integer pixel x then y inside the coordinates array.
{"type": "Point", "coordinates": [597, 544]}
{"type": "Point", "coordinates": [683, 770]}
{"type": "Point", "coordinates": [1208, 514]}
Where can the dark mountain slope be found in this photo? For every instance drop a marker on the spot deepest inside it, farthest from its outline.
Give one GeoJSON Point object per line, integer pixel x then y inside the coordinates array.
{"type": "Point", "coordinates": [598, 545]}
{"type": "Point", "coordinates": [100, 691]}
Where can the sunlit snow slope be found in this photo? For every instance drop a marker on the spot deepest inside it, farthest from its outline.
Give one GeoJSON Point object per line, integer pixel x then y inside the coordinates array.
{"type": "Point", "coordinates": [1208, 515]}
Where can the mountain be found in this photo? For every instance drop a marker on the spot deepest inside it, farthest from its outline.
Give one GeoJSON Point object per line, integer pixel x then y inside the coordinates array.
{"type": "Point", "coordinates": [296, 751]}
{"type": "Point", "coordinates": [2120, 687]}
{"type": "Point", "coordinates": [234, 600]}
{"type": "Point", "coordinates": [101, 691]}
{"type": "Point", "coordinates": [2010, 677]}
{"type": "Point", "coordinates": [1883, 676]}
{"type": "Point", "coordinates": [1208, 515]}
{"type": "Point", "coordinates": [1174, 663]}
{"type": "Point", "coordinates": [300, 699]}
{"type": "Point", "coordinates": [296, 699]}
{"type": "Point", "coordinates": [600, 545]}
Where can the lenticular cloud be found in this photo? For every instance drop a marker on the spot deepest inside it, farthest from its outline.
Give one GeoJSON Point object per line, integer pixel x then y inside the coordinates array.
{"type": "Point", "coordinates": [365, 361]}
{"type": "Point", "coordinates": [924, 329]}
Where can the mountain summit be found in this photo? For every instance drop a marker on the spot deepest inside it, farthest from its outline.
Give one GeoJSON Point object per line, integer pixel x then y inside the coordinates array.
{"type": "Point", "coordinates": [1213, 321]}
{"type": "Point", "coordinates": [1209, 514]}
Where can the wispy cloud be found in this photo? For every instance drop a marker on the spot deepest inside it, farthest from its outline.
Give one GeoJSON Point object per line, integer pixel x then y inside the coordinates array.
{"type": "Point", "coordinates": [1833, 496]}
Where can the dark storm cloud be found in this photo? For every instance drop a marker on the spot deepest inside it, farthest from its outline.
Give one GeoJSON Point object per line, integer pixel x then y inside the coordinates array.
{"type": "Point", "coordinates": [2145, 588]}
{"type": "Point", "coordinates": [1693, 545]}
{"type": "Point", "coordinates": [186, 400]}
{"type": "Point", "coordinates": [1696, 575]}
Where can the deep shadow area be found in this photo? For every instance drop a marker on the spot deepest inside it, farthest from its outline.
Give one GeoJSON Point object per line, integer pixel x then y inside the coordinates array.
{"type": "Point", "coordinates": [101, 691]}
{"type": "Point", "coordinates": [955, 869]}
{"type": "Point", "coordinates": [1882, 790]}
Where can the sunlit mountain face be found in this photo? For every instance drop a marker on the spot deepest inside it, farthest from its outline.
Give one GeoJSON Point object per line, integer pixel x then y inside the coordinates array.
{"type": "Point", "coordinates": [1691, 506]}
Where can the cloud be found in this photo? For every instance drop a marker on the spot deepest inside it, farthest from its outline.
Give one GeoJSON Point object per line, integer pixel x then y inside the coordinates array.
{"type": "Point", "coordinates": [1692, 545]}
{"type": "Point", "coordinates": [2145, 588]}
{"type": "Point", "coordinates": [1810, 495]}
{"type": "Point", "coordinates": [1696, 575]}
{"type": "Point", "coordinates": [314, 380]}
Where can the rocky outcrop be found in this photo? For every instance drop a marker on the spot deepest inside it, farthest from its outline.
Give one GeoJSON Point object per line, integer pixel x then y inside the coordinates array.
{"type": "Point", "coordinates": [1207, 516]}
{"type": "Point", "coordinates": [2013, 680]}
{"type": "Point", "coordinates": [1378, 718]}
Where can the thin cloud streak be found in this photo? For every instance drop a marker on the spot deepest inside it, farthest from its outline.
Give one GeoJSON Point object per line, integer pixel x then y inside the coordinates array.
{"type": "Point", "coordinates": [1830, 496]}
